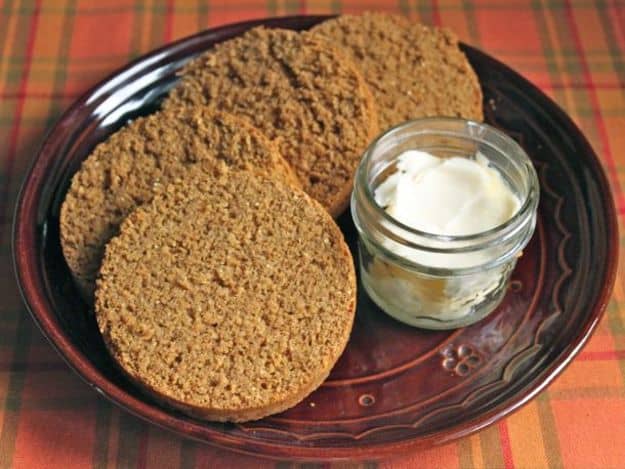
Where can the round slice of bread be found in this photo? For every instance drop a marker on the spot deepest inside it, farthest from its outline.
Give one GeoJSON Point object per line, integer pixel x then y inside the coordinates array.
{"type": "Point", "coordinates": [301, 92]}
{"type": "Point", "coordinates": [412, 70]}
{"type": "Point", "coordinates": [127, 169]}
{"type": "Point", "coordinates": [228, 298]}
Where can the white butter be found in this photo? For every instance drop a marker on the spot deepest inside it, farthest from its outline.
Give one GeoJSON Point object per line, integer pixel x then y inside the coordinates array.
{"type": "Point", "coordinates": [444, 196]}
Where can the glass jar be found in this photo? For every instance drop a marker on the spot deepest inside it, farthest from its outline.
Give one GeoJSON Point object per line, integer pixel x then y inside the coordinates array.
{"type": "Point", "coordinates": [436, 281]}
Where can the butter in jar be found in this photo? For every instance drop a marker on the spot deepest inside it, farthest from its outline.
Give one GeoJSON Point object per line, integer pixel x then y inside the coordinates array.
{"type": "Point", "coordinates": [443, 208]}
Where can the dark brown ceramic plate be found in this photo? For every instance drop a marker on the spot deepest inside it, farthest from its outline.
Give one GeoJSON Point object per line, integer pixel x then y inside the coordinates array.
{"type": "Point", "coordinates": [395, 387]}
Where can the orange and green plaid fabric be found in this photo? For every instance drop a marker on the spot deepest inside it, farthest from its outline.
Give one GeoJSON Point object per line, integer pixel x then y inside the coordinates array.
{"type": "Point", "coordinates": [53, 50]}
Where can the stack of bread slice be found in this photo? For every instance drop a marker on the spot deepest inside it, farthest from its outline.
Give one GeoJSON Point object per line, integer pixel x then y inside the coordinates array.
{"type": "Point", "coordinates": [204, 235]}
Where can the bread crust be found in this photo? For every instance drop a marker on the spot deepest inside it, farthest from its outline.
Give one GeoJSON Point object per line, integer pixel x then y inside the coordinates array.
{"type": "Point", "coordinates": [302, 92]}
{"type": "Point", "coordinates": [294, 319]}
{"type": "Point", "coordinates": [412, 70]}
{"type": "Point", "coordinates": [129, 167]}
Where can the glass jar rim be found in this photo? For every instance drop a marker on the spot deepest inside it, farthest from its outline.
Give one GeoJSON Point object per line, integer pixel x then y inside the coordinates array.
{"type": "Point", "coordinates": [517, 217]}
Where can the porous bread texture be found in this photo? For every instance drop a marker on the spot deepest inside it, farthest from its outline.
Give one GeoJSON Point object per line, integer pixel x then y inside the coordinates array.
{"type": "Point", "coordinates": [301, 92]}
{"type": "Point", "coordinates": [228, 298]}
{"type": "Point", "coordinates": [412, 70]}
{"type": "Point", "coordinates": [135, 162]}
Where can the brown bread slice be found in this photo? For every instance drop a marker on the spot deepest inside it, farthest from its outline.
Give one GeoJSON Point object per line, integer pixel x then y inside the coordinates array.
{"type": "Point", "coordinates": [301, 93]}
{"type": "Point", "coordinates": [412, 70]}
{"type": "Point", "coordinates": [228, 298]}
{"type": "Point", "coordinates": [126, 170]}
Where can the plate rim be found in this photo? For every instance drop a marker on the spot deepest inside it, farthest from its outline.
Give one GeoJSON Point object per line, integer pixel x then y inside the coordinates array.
{"type": "Point", "coordinates": [34, 300]}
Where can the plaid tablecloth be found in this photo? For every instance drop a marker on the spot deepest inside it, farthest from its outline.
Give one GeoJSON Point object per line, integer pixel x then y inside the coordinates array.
{"type": "Point", "coordinates": [51, 51]}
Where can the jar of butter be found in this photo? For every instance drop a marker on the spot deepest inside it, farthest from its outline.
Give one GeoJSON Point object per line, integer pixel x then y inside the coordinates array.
{"type": "Point", "coordinates": [443, 208]}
